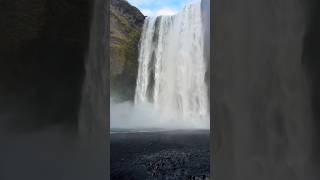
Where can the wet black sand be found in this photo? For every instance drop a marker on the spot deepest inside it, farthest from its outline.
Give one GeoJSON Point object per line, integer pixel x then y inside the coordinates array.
{"type": "Point", "coordinates": [181, 154]}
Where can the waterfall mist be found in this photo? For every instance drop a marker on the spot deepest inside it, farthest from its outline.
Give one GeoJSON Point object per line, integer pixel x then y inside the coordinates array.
{"type": "Point", "coordinates": [171, 91]}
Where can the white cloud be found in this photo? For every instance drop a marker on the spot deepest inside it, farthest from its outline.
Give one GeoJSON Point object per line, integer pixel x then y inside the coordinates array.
{"type": "Point", "coordinates": [160, 7]}
{"type": "Point", "coordinates": [166, 11]}
{"type": "Point", "coordinates": [141, 2]}
{"type": "Point", "coordinates": [147, 12]}
{"type": "Point", "coordinates": [191, 1]}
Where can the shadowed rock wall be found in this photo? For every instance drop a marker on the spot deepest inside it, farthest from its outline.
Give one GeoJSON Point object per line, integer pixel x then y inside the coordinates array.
{"type": "Point", "coordinates": [49, 51]}
{"type": "Point", "coordinates": [205, 10]}
{"type": "Point", "coordinates": [43, 50]}
{"type": "Point", "coordinates": [266, 89]}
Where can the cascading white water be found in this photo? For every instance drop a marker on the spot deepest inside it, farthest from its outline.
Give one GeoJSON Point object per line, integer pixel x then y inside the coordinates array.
{"type": "Point", "coordinates": [172, 67]}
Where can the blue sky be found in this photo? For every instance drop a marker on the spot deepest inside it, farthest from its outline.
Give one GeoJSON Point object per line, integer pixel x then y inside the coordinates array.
{"type": "Point", "coordinates": [160, 7]}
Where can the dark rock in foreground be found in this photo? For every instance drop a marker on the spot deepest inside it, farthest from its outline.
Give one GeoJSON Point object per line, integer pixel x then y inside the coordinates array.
{"type": "Point", "coordinates": [266, 80]}
{"type": "Point", "coordinates": [160, 155]}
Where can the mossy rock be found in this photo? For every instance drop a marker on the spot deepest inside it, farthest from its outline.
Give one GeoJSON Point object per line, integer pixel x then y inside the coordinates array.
{"type": "Point", "coordinates": [126, 26]}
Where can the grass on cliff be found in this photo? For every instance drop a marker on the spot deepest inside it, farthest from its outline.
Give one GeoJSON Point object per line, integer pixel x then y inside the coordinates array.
{"type": "Point", "coordinates": [125, 44]}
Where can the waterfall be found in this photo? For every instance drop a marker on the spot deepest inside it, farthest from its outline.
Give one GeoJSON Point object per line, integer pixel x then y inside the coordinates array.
{"type": "Point", "coordinates": [172, 66]}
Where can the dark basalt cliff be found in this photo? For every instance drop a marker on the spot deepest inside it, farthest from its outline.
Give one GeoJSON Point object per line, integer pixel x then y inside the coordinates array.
{"type": "Point", "coordinates": [205, 10]}
{"type": "Point", "coordinates": [43, 47]}
{"type": "Point", "coordinates": [49, 50]}
{"type": "Point", "coordinates": [126, 23]}
{"type": "Point", "coordinates": [266, 89]}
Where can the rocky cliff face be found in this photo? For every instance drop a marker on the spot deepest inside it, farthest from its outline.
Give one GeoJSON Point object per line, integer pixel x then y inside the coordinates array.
{"type": "Point", "coordinates": [43, 47]}
{"type": "Point", "coordinates": [266, 89]}
{"type": "Point", "coordinates": [43, 52]}
{"type": "Point", "coordinates": [205, 10]}
{"type": "Point", "coordinates": [126, 24]}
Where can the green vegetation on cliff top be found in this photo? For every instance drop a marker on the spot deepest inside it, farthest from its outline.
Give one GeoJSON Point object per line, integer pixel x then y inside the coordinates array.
{"type": "Point", "coordinates": [125, 35]}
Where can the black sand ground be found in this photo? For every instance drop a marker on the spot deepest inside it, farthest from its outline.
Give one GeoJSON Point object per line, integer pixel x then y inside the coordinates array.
{"type": "Point", "coordinates": [167, 155]}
